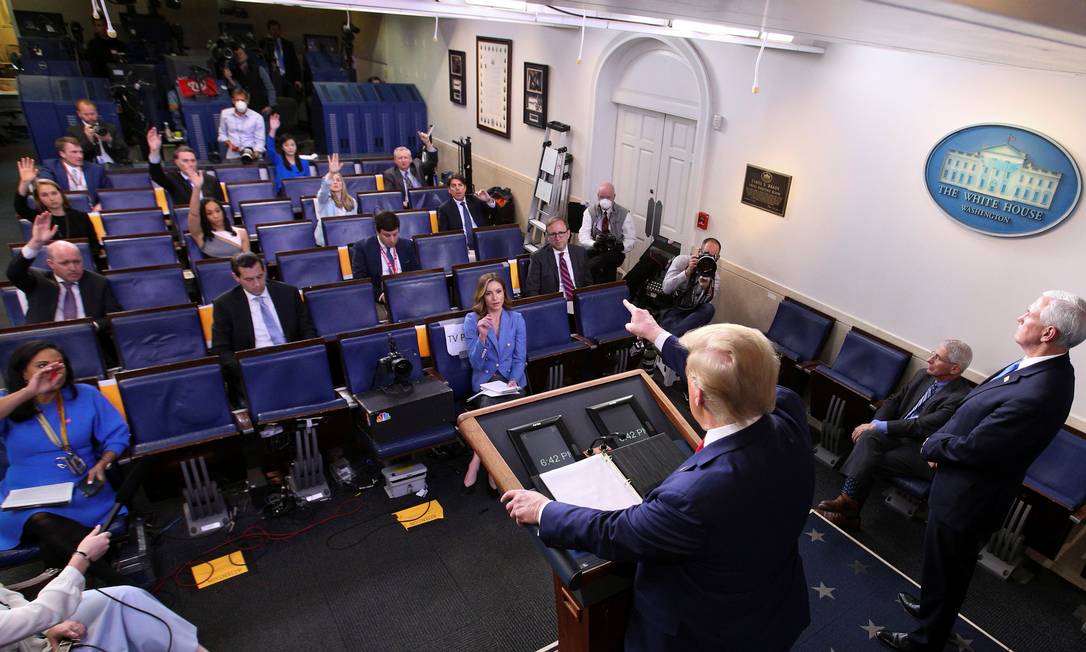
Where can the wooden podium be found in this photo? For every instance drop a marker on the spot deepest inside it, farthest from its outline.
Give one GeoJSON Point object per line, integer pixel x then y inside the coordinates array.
{"type": "Point", "coordinates": [591, 595]}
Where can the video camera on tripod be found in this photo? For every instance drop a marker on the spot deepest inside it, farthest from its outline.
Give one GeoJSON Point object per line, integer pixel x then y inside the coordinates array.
{"type": "Point", "coordinates": [392, 369]}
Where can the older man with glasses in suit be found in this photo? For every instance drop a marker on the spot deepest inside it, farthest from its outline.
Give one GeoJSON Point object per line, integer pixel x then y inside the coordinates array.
{"type": "Point", "coordinates": [557, 266]}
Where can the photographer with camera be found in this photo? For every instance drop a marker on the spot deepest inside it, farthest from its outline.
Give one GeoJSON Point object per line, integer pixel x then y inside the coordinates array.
{"type": "Point", "coordinates": [101, 142]}
{"type": "Point", "coordinates": [253, 78]}
{"type": "Point", "coordinates": [691, 282]}
{"type": "Point", "coordinates": [242, 130]}
{"type": "Point", "coordinates": [607, 231]}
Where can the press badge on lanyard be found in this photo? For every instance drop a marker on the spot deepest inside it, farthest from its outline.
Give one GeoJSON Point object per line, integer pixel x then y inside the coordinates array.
{"type": "Point", "coordinates": [71, 460]}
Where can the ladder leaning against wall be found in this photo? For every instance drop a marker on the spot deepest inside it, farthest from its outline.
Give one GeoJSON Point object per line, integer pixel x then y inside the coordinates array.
{"type": "Point", "coordinates": [551, 184]}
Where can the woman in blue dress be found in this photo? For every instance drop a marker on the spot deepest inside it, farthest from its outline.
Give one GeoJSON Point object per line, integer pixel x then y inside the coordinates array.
{"type": "Point", "coordinates": [497, 344]}
{"type": "Point", "coordinates": [57, 431]}
{"type": "Point", "coordinates": [283, 154]}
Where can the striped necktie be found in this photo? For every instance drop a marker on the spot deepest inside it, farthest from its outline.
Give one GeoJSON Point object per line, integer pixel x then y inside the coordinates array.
{"type": "Point", "coordinates": [567, 282]}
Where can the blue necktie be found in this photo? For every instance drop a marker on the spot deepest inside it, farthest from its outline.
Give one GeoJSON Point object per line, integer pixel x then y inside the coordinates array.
{"type": "Point", "coordinates": [1008, 369]}
{"type": "Point", "coordinates": [270, 323]}
{"type": "Point", "coordinates": [923, 399]}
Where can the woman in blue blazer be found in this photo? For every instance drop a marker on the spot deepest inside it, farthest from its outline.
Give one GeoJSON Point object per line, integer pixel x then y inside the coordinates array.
{"type": "Point", "coordinates": [283, 154]}
{"type": "Point", "coordinates": [497, 348]}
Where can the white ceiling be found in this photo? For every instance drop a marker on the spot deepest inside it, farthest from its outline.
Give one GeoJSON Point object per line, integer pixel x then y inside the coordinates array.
{"type": "Point", "coordinates": [1035, 34]}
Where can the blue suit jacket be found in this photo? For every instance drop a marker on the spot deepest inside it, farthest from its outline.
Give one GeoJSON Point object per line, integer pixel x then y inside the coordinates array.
{"type": "Point", "coordinates": [718, 565]}
{"type": "Point", "coordinates": [506, 354]}
{"type": "Point", "coordinates": [94, 174]}
{"type": "Point", "coordinates": [996, 433]}
{"type": "Point", "coordinates": [366, 260]}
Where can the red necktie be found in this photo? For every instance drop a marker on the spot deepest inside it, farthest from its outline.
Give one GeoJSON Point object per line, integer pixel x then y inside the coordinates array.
{"type": "Point", "coordinates": [567, 282]}
{"type": "Point", "coordinates": [700, 446]}
{"type": "Point", "coordinates": [605, 226]}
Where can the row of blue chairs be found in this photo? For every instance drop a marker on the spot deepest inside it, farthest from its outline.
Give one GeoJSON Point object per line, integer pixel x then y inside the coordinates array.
{"type": "Point", "coordinates": [130, 177]}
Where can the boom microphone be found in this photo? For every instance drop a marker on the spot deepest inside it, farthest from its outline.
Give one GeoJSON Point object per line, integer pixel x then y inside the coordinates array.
{"type": "Point", "coordinates": [128, 488]}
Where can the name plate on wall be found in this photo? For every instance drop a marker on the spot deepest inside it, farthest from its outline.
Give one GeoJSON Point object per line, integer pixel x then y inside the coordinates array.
{"type": "Point", "coordinates": [1003, 180]}
{"type": "Point", "coordinates": [766, 189]}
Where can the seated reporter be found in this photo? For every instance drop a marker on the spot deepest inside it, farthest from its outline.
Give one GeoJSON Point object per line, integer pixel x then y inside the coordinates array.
{"type": "Point", "coordinates": [72, 173]}
{"type": "Point", "coordinates": [607, 232]}
{"type": "Point", "coordinates": [497, 344]}
{"type": "Point", "coordinates": [209, 227]}
{"type": "Point", "coordinates": [48, 196]}
{"type": "Point", "coordinates": [691, 292]}
{"type": "Point", "coordinates": [282, 153]}
{"type": "Point", "coordinates": [383, 254]}
{"type": "Point", "coordinates": [241, 129]}
{"type": "Point", "coordinates": [55, 430]}
{"type": "Point", "coordinates": [718, 565]}
{"type": "Point", "coordinates": [464, 212]}
{"type": "Point", "coordinates": [116, 618]}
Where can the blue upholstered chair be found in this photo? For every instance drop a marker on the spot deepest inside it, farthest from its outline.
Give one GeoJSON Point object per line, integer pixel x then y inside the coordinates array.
{"type": "Point", "coordinates": [503, 241]}
{"type": "Point", "coordinates": [374, 166]}
{"type": "Point", "coordinates": [249, 191]}
{"type": "Point", "coordinates": [285, 236]}
{"type": "Point", "coordinates": [255, 213]}
{"type": "Point", "coordinates": [466, 277]}
{"type": "Point", "coordinates": [214, 277]}
{"type": "Point", "coordinates": [129, 179]}
{"type": "Point", "coordinates": [866, 370]}
{"type": "Point", "coordinates": [81, 201]}
{"type": "Point", "coordinates": [191, 393]}
{"type": "Point", "coordinates": [148, 287]}
{"type": "Point", "coordinates": [13, 304]}
{"type": "Point", "coordinates": [601, 319]}
{"type": "Point", "coordinates": [150, 220]}
{"type": "Point", "coordinates": [798, 332]}
{"type": "Point", "coordinates": [306, 267]}
{"type": "Point", "coordinates": [413, 223]}
{"type": "Point", "coordinates": [556, 357]}
{"type": "Point", "coordinates": [523, 260]}
{"type": "Point", "coordinates": [241, 173]}
{"type": "Point", "coordinates": [371, 203]}
{"type": "Point", "coordinates": [288, 381]}
{"type": "Point", "coordinates": [122, 199]}
{"type": "Point", "coordinates": [359, 183]}
{"type": "Point", "coordinates": [429, 199]}
{"type": "Point", "coordinates": [347, 230]}
{"type": "Point", "coordinates": [309, 209]}
{"type": "Point", "coordinates": [455, 370]}
{"type": "Point", "coordinates": [341, 307]}
{"type": "Point", "coordinates": [157, 336]}
{"type": "Point", "coordinates": [297, 187]}
{"type": "Point", "coordinates": [442, 250]}
{"type": "Point", "coordinates": [413, 295]}
{"type": "Point", "coordinates": [76, 337]}
{"type": "Point", "coordinates": [126, 252]}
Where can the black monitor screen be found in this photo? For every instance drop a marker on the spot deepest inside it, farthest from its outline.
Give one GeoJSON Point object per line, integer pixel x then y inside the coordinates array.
{"type": "Point", "coordinates": [544, 445]}
{"type": "Point", "coordinates": [623, 421]}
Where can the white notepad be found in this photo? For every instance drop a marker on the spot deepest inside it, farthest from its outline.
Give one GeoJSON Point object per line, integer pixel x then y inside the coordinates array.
{"type": "Point", "coordinates": [49, 494]}
{"type": "Point", "coordinates": [592, 482]}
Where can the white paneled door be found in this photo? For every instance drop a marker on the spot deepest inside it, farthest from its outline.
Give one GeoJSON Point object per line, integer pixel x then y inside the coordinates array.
{"type": "Point", "coordinates": [654, 155]}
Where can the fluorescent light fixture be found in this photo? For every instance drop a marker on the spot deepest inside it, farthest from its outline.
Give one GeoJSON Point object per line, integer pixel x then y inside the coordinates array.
{"type": "Point", "coordinates": [513, 5]}
{"type": "Point", "coordinates": [714, 29]}
{"type": "Point", "coordinates": [611, 16]}
{"type": "Point", "coordinates": [774, 37]}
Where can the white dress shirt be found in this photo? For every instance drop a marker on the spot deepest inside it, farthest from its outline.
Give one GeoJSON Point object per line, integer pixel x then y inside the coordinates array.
{"type": "Point", "coordinates": [469, 223]}
{"type": "Point", "coordinates": [1026, 362]}
{"type": "Point", "coordinates": [260, 329]}
{"type": "Point", "coordinates": [383, 254]}
{"type": "Point", "coordinates": [103, 156]}
{"type": "Point", "coordinates": [246, 130]}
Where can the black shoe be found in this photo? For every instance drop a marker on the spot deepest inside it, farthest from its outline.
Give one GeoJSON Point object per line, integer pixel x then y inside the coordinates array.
{"type": "Point", "coordinates": [910, 603]}
{"type": "Point", "coordinates": [897, 641]}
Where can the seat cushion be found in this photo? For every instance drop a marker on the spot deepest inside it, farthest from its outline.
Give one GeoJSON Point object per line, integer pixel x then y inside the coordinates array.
{"type": "Point", "coordinates": [556, 349]}
{"type": "Point", "coordinates": [865, 392]}
{"type": "Point", "coordinates": [417, 441]}
{"type": "Point", "coordinates": [300, 411]}
{"type": "Point", "coordinates": [913, 486]}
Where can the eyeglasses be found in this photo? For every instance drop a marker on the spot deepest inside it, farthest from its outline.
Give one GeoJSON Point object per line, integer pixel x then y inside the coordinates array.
{"type": "Point", "coordinates": [938, 357]}
{"type": "Point", "coordinates": [557, 234]}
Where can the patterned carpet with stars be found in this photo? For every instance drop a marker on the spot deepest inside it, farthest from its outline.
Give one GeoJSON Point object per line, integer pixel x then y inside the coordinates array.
{"type": "Point", "coordinates": [853, 595]}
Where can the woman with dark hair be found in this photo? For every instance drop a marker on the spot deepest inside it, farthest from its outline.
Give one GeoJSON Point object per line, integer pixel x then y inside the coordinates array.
{"type": "Point", "coordinates": [48, 196]}
{"type": "Point", "coordinates": [57, 431]}
{"type": "Point", "coordinates": [283, 154]}
{"type": "Point", "coordinates": [209, 226]}
{"type": "Point", "coordinates": [497, 348]}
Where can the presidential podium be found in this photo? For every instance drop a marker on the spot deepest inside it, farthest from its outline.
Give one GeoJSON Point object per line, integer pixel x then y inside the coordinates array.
{"type": "Point", "coordinates": [592, 595]}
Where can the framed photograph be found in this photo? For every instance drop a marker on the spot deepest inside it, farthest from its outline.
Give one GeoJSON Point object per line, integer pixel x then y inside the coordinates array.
{"type": "Point", "coordinates": [544, 445]}
{"type": "Point", "coordinates": [535, 94]}
{"type": "Point", "coordinates": [621, 418]}
{"type": "Point", "coordinates": [493, 61]}
{"type": "Point", "coordinates": [456, 77]}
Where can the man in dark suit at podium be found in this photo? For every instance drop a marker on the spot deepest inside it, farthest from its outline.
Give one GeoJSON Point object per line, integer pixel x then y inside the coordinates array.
{"type": "Point", "coordinates": [716, 544]}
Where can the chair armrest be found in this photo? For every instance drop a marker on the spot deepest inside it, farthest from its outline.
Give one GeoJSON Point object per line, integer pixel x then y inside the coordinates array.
{"type": "Point", "coordinates": [582, 338]}
{"type": "Point", "coordinates": [809, 365]}
{"type": "Point", "coordinates": [30, 588]}
{"type": "Point", "coordinates": [347, 397]}
{"type": "Point", "coordinates": [243, 420]}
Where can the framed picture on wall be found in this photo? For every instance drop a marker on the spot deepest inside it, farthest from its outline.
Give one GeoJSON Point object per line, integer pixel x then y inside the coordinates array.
{"type": "Point", "coordinates": [493, 60]}
{"type": "Point", "coordinates": [535, 94]}
{"type": "Point", "coordinates": [456, 77]}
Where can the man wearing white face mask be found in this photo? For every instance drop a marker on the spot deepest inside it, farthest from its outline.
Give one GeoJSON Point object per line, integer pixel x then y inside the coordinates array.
{"type": "Point", "coordinates": [604, 227]}
{"type": "Point", "coordinates": [240, 128]}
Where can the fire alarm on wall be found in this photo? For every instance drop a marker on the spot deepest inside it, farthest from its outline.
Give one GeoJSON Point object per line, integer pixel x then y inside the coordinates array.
{"type": "Point", "coordinates": [703, 220]}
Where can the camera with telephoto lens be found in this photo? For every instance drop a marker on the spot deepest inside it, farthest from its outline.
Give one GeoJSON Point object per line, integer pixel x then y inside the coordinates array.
{"type": "Point", "coordinates": [99, 129]}
{"type": "Point", "coordinates": [395, 365]}
{"type": "Point", "coordinates": [607, 243]}
{"type": "Point", "coordinates": [247, 155]}
{"type": "Point", "coordinates": [705, 267]}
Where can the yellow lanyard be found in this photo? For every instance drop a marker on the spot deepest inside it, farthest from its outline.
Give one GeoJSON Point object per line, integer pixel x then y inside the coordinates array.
{"type": "Point", "coordinates": [62, 441]}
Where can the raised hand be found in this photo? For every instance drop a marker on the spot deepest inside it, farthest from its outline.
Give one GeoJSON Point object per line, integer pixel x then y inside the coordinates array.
{"type": "Point", "coordinates": [47, 379]}
{"type": "Point", "coordinates": [27, 170]}
{"type": "Point", "coordinates": [425, 139]}
{"type": "Point", "coordinates": [273, 123]}
{"type": "Point", "coordinates": [42, 231]}
{"type": "Point", "coordinates": [484, 196]}
{"type": "Point", "coordinates": [154, 140]}
{"type": "Point", "coordinates": [334, 166]}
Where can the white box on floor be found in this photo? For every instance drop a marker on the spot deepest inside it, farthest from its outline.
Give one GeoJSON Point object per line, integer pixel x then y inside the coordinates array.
{"type": "Point", "coordinates": [404, 479]}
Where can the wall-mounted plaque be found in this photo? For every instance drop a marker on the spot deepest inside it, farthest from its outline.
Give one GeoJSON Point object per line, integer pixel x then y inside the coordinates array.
{"type": "Point", "coordinates": [766, 189]}
{"type": "Point", "coordinates": [493, 60]}
{"type": "Point", "coordinates": [457, 69]}
{"type": "Point", "coordinates": [535, 94]}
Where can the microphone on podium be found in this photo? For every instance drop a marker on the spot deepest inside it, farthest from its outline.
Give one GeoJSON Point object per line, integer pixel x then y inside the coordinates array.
{"type": "Point", "coordinates": [131, 482]}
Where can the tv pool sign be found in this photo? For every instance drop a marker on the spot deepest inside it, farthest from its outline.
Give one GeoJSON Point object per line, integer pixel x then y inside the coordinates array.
{"type": "Point", "coordinates": [1003, 180]}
